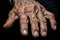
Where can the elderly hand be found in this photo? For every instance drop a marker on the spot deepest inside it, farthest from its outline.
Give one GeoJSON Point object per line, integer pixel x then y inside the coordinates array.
{"type": "Point", "coordinates": [24, 9]}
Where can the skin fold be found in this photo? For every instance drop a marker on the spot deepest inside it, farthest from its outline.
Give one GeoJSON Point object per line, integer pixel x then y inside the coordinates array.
{"type": "Point", "coordinates": [24, 9]}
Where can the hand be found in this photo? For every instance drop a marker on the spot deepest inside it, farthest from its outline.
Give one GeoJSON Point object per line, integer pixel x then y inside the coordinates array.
{"type": "Point", "coordinates": [24, 9]}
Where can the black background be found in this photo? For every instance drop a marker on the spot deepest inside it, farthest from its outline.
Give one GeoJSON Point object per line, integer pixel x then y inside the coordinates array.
{"type": "Point", "coordinates": [14, 32]}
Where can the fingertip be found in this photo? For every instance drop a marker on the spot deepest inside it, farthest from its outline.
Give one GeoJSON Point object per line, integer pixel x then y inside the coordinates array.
{"type": "Point", "coordinates": [44, 34]}
{"type": "Point", "coordinates": [6, 26]}
{"type": "Point", "coordinates": [54, 28]}
{"type": "Point", "coordinates": [24, 32]}
{"type": "Point", "coordinates": [35, 34]}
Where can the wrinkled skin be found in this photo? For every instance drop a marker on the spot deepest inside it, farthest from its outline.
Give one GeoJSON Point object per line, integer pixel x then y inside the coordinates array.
{"type": "Point", "coordinates": [24, 9]}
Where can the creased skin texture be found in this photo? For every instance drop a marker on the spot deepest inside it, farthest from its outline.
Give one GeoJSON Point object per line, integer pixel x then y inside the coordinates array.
{"type": "Point", "coordinates": [24, 9]}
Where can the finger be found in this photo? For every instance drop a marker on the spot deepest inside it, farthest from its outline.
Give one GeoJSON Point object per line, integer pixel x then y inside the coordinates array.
{"type": "Point", "coordinates": [29, 10]}
{"type": "Point", "coordinates": [42, 20]}
{"type": "Point", "coordinates": [34, 25]}
{"type": "Point", "coordinates": [43, 24]}
{"type": "Point", "coordinates": [12, 17]}
{"type": "Point", "coordinates": [24, 25]}
{"type": "Point", "coordinates": [51, 18]}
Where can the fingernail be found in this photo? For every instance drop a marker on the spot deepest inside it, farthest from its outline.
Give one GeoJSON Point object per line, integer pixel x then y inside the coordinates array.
{"type": "Point", "coordinates": [55, 27]}
{"type": "Point", "coordinates": [44, 33]}
{"type": "Point", "coordinates": [25, 32]}
{"type": "Point", "coordinates": [36, 34]}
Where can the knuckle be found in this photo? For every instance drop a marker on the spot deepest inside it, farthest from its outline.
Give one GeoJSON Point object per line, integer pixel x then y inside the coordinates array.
{"type": "Point", "coordinates": [23, 19]}
{"type": "Point", "coordinates": [11, 13]}
{"type": "Point", "coordinates": [51, 15]}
